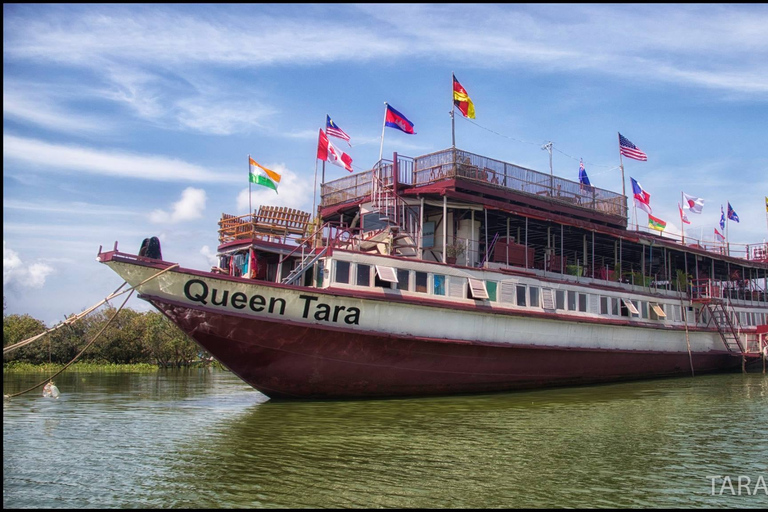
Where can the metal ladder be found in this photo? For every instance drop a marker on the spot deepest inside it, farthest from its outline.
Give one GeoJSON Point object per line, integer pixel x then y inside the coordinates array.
{"type": "Point", "coordinates": [303, 266]}
{"type": "Point", "coordinates": [725, 327]}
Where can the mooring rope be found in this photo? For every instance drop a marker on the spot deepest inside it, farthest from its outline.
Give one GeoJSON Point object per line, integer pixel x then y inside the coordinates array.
{"type": "Point", "coordinates": [114, 294]}
{"type": "Point", "coordinates": [74, 318]}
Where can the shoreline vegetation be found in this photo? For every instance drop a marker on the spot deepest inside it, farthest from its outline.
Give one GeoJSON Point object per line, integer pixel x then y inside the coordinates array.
{"type": "Point", "coordinates": [132, 341]}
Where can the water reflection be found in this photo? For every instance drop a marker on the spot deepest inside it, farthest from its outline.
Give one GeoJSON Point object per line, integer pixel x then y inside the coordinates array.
{"type": "Point", "coordinates": [204, 439]}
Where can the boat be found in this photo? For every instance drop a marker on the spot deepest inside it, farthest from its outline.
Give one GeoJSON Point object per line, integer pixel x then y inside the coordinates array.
{"type": "Point", "coordinates": [455, 273]}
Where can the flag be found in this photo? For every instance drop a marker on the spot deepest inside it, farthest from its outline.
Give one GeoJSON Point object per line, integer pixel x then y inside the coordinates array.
{"type": "Point", "coordinates": [642, 198]}
{"type": "Point", "coordinates": [695, 204]}
{"type": "Point", "coordinates": [461, 100]}
{"type": "Point", "coordinates": [719, 236]}
{"type": "Point", "coordinates": [655, 223]}
{"type": "Point", "coordinates": [395, 119]}
{"type": "Point", "coordinates": [732, 214]}
{"type": "Point", "coordinates": [766, 204]}
{"type": "Point", "coordinates": [682, 215]}
{"type": "Point", "coordinates": [628, 149]}
{"type": "Point", "coordinates": [333, 130]}
{"type": "Point", "coordinates": [583, 178]}
{"type": "Point", "coordinates": [260, 175]}
{"type": "Point", "coordinates": [327, 151]}
{"type": "Point", "coordinates": [722, 218]}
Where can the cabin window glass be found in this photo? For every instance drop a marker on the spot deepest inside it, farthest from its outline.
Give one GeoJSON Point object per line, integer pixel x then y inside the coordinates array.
{"type": "Point", "coordinates": [615, 309]}
{"type": "Point", "coordinates": [603, 305]}
{"type": "Point", "coordinates": [421, 282]}
{"type": "Point", "coordinates": [583, 302]}
{"type": "Point", "coordinates": [403, 276]}
{"type": "Point", "coordinates": [533, 293]}
{"type": "Point", "coordinates": [342, 272]}
{"type": "Point", "coordinates": [363, 275]}
{"type": "Point", "coordinates": [491, 287]}
{"type": "Point", "coordinates": [644, 308]}
{"type": "Point", "coordinates": [559, 299]}
{"type": "Point", "coordinates": [438, 284]}
{"type": "Point", "coordinates": [521, 295]}
{"type": "Point", "coordinates": [571, 300]}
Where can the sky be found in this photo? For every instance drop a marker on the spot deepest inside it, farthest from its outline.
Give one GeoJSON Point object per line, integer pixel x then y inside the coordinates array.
{"type": "Point", "coordinates": [126, 121]}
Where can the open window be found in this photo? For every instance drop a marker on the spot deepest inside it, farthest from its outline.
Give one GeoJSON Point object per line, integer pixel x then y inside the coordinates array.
{"type": "Point", "coordinates": [631, 307]}
{"type": "Point", "coordinates": [385, 276]}
{"type": "Point", "coordinates": [658, 311]}
{"type": "Point", "coordinates": [477, 288]}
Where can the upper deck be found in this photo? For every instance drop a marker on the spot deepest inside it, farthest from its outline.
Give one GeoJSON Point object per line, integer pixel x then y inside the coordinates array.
{"type": "Point", "coordinates": [454, 171]}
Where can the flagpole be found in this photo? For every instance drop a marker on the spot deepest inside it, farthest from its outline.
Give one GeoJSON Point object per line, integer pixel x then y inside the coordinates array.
{"type": "Point", "coordinates": [383, 125]}
{"type": "Point", "coordinates": [453, 110]}
{"type": "Point", "coordinates": [621, 165]}
{"type": "Point", "coordinates": [682, 224]}
{"type": "Point", "coordinates": [727, 244]}
{"type": "Point", "coordinates": [250, 208]}
{"type": "Point", "coordinates": [314, 196]}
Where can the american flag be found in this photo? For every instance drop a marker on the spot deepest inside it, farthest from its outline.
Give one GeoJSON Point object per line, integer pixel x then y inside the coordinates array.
{"type": "Point", "coordinates": [629, 150]}
{"type": "Point", "coordinates": [332, 129]}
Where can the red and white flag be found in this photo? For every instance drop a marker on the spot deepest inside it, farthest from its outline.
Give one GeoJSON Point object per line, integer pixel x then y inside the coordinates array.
{"type": "Point", "coordinates": [719, 236]}
{"type": "Point", "coordinates": [327, 151]}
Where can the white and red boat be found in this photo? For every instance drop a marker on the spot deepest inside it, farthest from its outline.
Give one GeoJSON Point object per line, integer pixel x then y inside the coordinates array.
{"type": "Point", "coordinates": [456, 273]}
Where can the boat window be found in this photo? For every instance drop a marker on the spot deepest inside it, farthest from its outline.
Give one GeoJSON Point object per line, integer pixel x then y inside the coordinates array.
{"type": "Point", "coordinates": [402, 279]}
{"type": "Point", "coordinates": [421, 282]}
{"type": "Point", "coordinates": [615, 309]}
{"type": "Point", "coordinates": [548, 299]}
{"type": "Point", "coordinates": [603, 305]}
{"type": "Point", "coordinates": [363, 275]}
{"type": "Point", "coordinates": [644, 309]}
{"type": "Point", "coordinates": [508, 293]}
{"type": "Point", "coordinates": [342, 272]}
{"type": "Point", "coordinates": [572, 300]}
{"type": "Point", "coordinates": [456, 287]}
{"type": "Point", "coordinates": [387, 274]}
{"type": "Point", "coordinates": [438, 284]}
{"type": "Point", "coordinates": [583, 302]}
{"type": "Point", "coordinates": [630, 307]}
{"type": "Point", "coordinates": [477, 288]}
{"type": "Point", "coordinates": [521, 295]}
{"type": "Point", "coordinates": [533, 293]}
{"type": "Point", "coordinates": [658, 311]}
{"type": "Point", "coordinates": [560, 299]}
{"type": "Point", "coordinates": [491, 287]}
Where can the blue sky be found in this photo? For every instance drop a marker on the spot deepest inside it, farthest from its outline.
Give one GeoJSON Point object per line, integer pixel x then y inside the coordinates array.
{"type": "Point", "coordinates": [127, 121]}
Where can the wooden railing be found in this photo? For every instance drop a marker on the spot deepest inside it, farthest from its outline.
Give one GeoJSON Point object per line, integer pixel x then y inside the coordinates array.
{"type": "Point", "coordinates": [270, 221]}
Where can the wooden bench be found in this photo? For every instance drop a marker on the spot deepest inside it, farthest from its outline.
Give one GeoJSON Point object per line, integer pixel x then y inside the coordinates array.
{"type": "Point", "coordinates": [281, 221]}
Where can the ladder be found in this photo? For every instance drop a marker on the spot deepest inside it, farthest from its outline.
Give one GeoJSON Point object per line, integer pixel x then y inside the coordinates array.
{"type": "Point", "coordinates": [303, 266]}
{"type": "Point", "coordinates": [725, 327]}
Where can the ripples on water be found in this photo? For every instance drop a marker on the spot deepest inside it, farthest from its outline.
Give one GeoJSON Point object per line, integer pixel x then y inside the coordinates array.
{"type": "Point", "coordinates": [203, 439]}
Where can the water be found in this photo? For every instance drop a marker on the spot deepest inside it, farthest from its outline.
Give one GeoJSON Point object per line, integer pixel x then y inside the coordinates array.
{"type": "Point", "coordinates": [203, 439]}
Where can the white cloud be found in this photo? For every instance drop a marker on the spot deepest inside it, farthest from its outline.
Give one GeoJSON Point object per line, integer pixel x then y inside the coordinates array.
{"type": "Point", "coordinates": [32, 103]}
{"type": "Point", "coordinates": [54, 157]}
{"type": "Point", "coordinates": [189, 207]}
{"type": "Point", "coordinates": [293, 192]}
{"type": "Point", "coordinates": [18, 274]}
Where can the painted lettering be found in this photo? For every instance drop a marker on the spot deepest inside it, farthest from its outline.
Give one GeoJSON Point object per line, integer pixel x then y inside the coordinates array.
{"type": "Point", "coordinates": [200, 297]}
{"type": "Point", "coordinates": [275, 300]}
{"type": "Point", "coordinates": [238, 300]}
{"type": "Point", "coordinates": [307, 301]}
{"type": "Point", "coordinates": [223, 298]}
{"type": "Point", "coordinates": [257, 303]}
{"type": "Point", "coordinates": [353, 317]}
{"type": "Point", "coordinates": [322, 312]}
{"type": "Point", "coordinates": [336, 312]}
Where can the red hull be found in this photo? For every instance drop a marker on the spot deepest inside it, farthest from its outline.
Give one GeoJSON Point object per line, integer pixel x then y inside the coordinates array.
{"type": "Point", "coordinates": [285, 360]}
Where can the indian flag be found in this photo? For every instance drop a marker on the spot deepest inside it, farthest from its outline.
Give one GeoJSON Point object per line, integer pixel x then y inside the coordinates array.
{"type": "Point", "coordinates": [260, 175]}
{"type": "Point", "coordinates": [655, 223]}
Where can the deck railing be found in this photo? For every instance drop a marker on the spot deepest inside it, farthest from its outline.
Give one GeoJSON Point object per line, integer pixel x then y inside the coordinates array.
{"type": "Point", "coordinates": [455, 163]}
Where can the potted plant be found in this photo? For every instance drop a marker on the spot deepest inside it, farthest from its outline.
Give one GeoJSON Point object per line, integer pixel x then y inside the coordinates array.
{"type": "Point", "coordinates": [454, 250]}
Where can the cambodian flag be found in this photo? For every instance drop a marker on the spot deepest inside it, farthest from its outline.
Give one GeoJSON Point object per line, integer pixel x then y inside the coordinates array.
{"type": "Point", "coordinates": [395, 119]}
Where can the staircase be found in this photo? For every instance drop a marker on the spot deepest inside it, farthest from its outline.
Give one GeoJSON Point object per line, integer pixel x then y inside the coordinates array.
{"type": "Point", "coordinates": [722, 321]}
{"type": "Point", "coordinates": [386, 202]}
{"type": "Point", "coordinates": [303, 266]}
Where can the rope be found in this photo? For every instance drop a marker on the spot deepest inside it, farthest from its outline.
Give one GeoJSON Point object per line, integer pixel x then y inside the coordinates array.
{"type": "Point", "coordinates": [50, 379]}
{"type": "Point", "coordinates": [74, 318]}
{"type": "Point", "coordinates": [114, 294]}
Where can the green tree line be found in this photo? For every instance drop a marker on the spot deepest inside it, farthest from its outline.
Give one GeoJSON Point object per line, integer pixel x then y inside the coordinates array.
{"type": "Point", "coordinates": [131, 338]}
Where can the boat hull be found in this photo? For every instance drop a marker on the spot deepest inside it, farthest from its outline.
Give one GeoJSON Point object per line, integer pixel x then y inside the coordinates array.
{"type": "Point", "coordinates": [290, 360]}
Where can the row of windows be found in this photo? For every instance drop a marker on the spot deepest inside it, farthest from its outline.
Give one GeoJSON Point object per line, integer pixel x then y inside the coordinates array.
{"type": "Point", "coordinates": [518, 294]}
